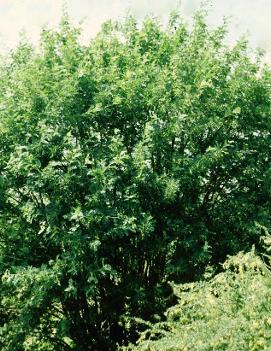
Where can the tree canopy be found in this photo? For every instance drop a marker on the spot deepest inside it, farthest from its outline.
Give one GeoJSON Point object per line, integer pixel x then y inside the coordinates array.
{"type": "Point", "coordinates": [138, 159]}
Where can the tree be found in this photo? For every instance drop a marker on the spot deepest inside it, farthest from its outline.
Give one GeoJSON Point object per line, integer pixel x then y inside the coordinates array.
{"type": "Point", "coordinates": [138, 159]}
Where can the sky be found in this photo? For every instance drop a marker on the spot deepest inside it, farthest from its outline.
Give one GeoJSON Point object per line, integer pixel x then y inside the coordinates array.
{"type": "Point", "coordinates": [252, 17]}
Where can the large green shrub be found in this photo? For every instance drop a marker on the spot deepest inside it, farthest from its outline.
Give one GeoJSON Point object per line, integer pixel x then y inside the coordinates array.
{"type": "Point", "coordinates": [139, 158]}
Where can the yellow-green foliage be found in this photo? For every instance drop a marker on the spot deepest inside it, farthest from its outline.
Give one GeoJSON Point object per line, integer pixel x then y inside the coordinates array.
{"type": "Point", "coordinates": [230, 312]}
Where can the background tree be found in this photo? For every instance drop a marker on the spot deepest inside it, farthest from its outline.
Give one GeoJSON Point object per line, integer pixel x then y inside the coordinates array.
{"type": "Point", "coordinates": [138, 159]}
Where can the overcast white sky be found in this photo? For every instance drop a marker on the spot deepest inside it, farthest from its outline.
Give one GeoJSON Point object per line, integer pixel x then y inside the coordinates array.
{"type": "Point", "coordinates": [252, 16]}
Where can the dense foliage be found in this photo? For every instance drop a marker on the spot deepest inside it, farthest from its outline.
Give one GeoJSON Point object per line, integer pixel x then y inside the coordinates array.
{"type": "Point", "coordinates": [138, 159]}
{"type": "Point", "coordinates": [230, 312]}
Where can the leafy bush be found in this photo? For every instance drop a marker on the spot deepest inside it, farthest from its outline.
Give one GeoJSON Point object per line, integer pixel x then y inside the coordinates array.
{"type": "Point", "coordinates": [138, 159]}
{"type": "Point", "coordinates": [230, 312]}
